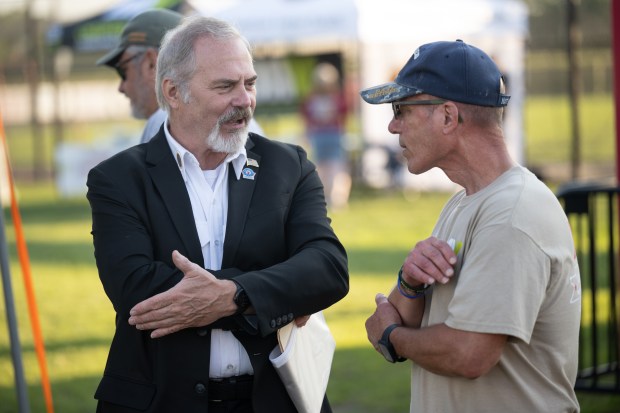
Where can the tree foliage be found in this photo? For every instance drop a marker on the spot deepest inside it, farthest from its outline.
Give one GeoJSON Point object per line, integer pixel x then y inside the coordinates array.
{"type": "Point", "coordinates": [548, 23]}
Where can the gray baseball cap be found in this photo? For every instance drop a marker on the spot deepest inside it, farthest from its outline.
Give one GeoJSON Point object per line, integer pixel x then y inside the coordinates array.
{"type": "Point", "coordinates": [145, 29]}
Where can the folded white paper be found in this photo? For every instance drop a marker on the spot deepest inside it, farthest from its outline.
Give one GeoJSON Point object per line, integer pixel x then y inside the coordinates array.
{"type": "Point", "coordinates": [303, 360]}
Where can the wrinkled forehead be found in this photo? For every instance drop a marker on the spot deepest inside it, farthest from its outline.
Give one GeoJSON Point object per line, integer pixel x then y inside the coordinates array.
{"type": "Point", "coordinates": [224, 58]}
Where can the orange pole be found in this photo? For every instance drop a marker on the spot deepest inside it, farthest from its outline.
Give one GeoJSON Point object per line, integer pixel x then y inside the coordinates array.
{"type": "Point", "coordinates": [24, 260]}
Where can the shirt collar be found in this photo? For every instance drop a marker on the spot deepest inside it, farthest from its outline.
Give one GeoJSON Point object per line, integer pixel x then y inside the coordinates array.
{"type": "Point", "coordinates": [182, 155]}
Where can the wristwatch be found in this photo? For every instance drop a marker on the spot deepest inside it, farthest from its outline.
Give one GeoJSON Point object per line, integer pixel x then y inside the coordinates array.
{"type": "Point", "coordinates": [241, 298]}
{"type": "Point", "coordinates": [386, 348]}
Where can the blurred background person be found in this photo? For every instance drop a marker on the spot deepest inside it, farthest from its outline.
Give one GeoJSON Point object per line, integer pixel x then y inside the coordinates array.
{"type": "Point", "coordinates": [324, 111]}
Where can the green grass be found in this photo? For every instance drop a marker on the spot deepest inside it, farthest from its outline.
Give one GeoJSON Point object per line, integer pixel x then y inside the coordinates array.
{"type": "Point", "coordinates": [378, 230]}
{"type": "Point", "coordinates": [548, 129]}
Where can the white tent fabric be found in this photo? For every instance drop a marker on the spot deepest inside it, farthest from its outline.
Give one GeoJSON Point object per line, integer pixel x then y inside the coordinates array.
{"type": "Point", "coordinates": [285, 21]}
{"type": "Point", "coordinates": [288, 21]}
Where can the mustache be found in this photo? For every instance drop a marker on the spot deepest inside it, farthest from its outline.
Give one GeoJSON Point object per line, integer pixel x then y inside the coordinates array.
{"type": "Point", "coordinates": [236, 114]}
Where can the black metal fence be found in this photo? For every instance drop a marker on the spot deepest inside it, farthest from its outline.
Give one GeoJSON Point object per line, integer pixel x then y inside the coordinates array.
{"type": "Point", "coordinates": [593, 214]}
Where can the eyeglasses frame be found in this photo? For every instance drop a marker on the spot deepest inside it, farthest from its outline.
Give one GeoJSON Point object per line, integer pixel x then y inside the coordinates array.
{"type": "Point", "coordinates": [121, 68]}
{"type": "Point", "coordinates": [396, 105]}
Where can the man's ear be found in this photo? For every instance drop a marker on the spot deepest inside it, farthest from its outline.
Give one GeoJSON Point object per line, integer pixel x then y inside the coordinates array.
{"type": "Point", "coordinates": [450, 117]}
{"type": "Point", "coordinates": [171, 93]}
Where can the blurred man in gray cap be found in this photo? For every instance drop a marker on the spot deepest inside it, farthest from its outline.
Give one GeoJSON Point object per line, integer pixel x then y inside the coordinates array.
{"type": "Point", "coordinates": [135, 59]}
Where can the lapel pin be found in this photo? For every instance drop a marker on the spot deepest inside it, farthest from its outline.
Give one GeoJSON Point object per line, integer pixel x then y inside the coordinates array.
{"type": "Point", "coordinates": [252, 162]}
{"type": "Point", "coordinates": [248, 173]}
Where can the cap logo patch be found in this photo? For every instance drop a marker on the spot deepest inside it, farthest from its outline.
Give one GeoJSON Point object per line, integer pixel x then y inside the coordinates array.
{"type": "Point", "coordinates": [382, 92]}
{"type": "Point", "coordinates": [416, 54]}
{"type": "Point", "coordinates": [136, 37]}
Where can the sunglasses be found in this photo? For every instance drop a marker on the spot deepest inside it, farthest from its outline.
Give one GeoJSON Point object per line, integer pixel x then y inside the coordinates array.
{"type": "Point", "coordinates": [121, 67]}
{"type": "Point", "coordinates": [396, 105]}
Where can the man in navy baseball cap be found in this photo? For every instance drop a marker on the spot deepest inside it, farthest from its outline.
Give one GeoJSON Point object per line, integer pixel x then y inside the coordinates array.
{"type": "Point", "coordinates": [493, 293]}
{"type": "Point", "coordinates": [449, 70]}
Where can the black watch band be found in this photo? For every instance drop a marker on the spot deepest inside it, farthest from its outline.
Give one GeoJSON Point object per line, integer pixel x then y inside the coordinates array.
{"type": "Point", "coordinates": [386, 347]}
{"type": "Point", "coordinates": [241, 299]}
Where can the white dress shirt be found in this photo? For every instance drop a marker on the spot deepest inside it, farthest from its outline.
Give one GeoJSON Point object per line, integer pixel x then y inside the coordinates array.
{"type": "Point", "coordinates": [208, 193]}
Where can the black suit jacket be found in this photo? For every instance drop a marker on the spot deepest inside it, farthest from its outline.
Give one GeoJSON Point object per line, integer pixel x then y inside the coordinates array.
{"type": "Point", "coordinates": [279, 246]}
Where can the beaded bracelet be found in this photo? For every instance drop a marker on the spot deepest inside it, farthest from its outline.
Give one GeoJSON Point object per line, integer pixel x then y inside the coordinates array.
{"type": "Point", "coordinates": [403, 285]}
{"type": "Point", "coordinates": [404, 294]}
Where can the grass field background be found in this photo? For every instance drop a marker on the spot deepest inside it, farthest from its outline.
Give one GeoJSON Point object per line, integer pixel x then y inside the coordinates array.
{"type": "Point", "coordinates": [378, 229]}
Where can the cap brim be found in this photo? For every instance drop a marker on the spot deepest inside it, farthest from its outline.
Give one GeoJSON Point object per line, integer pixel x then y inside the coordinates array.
{"type": "Point", "coordinates": [111, 58]}
{"type": "Point", "coordinates": [387, 92]}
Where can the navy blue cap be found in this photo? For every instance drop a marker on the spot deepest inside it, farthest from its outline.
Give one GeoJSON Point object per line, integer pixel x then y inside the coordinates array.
{"type": "Point", "coordinates": [453, 71]}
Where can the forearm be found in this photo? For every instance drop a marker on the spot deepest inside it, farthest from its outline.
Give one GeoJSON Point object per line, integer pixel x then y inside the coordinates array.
{"type": "Point", "coordinates": [410, 310]}
{"type": "Point", "coordinates": [302, 285]}
{"type": "Point", "coordinates": [449, 352]}
{"type": "Point", "coordinates": [199, 299]}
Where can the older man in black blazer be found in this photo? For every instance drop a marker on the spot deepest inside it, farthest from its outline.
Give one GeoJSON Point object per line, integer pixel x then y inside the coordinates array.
{"type": "Point", "coordinates": [207, 241]}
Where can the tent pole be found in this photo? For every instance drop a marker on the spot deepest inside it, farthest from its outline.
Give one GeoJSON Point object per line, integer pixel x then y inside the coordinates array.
{"type": "Point", "coordinates": [20, 382]}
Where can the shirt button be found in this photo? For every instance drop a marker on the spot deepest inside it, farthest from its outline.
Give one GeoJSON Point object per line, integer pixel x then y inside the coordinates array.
{"type": "Point", "coordinates": [200, 388]}
{"type": "Point", "coordinates": [230, 367]}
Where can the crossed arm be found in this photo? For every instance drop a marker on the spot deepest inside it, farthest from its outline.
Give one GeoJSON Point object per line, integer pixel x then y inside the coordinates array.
{"type": "Point", "coordinates": [438, 348]}
{"type": "Point", "coordinates": [197, 300]}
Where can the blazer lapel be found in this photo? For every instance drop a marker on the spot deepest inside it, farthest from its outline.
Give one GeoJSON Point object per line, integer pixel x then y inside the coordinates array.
{"type": "Point", "coordinates": [168, 181]}
{"type": "Point", "coordinates": [239, 196]}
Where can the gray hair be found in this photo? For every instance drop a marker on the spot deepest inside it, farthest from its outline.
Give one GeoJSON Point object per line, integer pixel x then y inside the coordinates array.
{"type": "Point", "coordinates": [177, 58]}
{"type": "Point", "coordinates": [481, 116]}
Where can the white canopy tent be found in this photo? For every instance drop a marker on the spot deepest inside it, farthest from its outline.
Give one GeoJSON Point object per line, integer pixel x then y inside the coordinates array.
{"type": "Point", "coordinates": [381, 36]}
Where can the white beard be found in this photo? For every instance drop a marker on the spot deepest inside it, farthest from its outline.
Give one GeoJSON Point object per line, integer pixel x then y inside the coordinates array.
{"type": "Point", "coordinates": [227, 144]}
{"type": "Point", "coordinates": [233, 142]}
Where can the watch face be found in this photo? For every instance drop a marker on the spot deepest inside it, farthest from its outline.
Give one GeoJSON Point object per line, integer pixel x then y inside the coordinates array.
{"type": "Point", "coordinates": [386, 352]}
{"type": "Point", "coordinates": [386, 348]}
{"type": "Point", "coordinates": [241, 299]}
